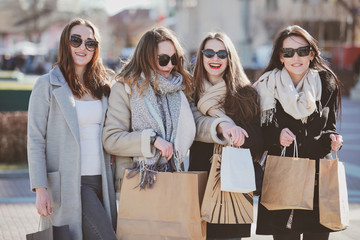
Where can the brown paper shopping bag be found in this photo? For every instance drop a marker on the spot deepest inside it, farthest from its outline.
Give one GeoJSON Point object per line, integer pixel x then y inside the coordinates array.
{"type": "Point", "coordinates": [224, 207]}
{"type": "Point", "coordinates": [288, 182]}
{"type": "Point", "coordinates": [333, 196]}
{"type": "Point", "coordinates": [169, 210]}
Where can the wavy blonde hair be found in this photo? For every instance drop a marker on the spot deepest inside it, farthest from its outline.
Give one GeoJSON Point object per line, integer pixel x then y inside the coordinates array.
{"type": "Point", "coordinates": [144, 60]}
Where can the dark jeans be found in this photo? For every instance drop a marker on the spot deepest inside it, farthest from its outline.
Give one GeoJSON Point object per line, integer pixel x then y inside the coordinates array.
{"type": "Point", "coordinates": [96, 224]}
{"type": "Point", "coordinates": [306, 236]}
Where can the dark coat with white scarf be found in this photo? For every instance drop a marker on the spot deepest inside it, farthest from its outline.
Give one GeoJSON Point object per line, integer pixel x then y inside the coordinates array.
{"type": "Point", "coordinates": [313, 139]}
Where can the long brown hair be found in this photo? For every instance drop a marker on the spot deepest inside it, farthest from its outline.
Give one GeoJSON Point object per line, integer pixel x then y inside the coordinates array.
{"type": "Point", "coordinates": [241, 100]}
{"type": "Point", "coordinates": [144, 60]}
{"type": "Point", "coordinates": [318, 63]}
{"type": "Point", "coordinates": [96, 76]}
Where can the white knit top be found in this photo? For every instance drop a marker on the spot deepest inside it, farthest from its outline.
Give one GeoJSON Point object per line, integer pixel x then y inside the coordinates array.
{"type": "Point", "coordinates": [89, 115]}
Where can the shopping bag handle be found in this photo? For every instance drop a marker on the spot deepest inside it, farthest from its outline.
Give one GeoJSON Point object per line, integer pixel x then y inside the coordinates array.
{"type": "Point", "coordinates": [295, 153]}
{"type": "Point", "coordinates": [52, 223]}
{"type": "Point", "coordinates": [232, 144]}
{"type": "Point", "coordinates": [336, 155]}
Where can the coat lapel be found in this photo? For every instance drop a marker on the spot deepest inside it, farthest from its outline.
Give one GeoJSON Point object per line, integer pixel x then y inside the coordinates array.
{"type": "Point", "coordinates": [104, 102]}
{"type": "Point", "coordinates": [66, 100]}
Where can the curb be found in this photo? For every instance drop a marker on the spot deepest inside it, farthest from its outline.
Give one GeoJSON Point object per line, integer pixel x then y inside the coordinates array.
{"type": "Point", "coordinates": [22, 173]}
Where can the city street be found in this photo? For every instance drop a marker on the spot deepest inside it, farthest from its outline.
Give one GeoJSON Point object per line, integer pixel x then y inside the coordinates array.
{"type": "Point", "coordinates": [18, 215]}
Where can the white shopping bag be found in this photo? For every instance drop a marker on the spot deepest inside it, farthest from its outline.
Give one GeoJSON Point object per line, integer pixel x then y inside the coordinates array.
{"type": "Point", "coordinates": [237, 172]}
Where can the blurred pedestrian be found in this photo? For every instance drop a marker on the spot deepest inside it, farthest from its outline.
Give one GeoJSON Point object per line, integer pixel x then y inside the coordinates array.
{"type": "Point", "coordinates": [300, 98]}
{"type": "Point", "coordinates": [223, 91]}
{"type": "Point", "coordinates": [69, 171]}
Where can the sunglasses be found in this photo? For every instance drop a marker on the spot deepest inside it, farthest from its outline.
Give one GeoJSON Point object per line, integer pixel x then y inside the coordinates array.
{"type": "Point", "coordinates": [76, 41]}
{"type": "Point", "coordinates": [209, 53]}
{"type": "Point", "coordinates": [164, 59]}
{"type": "Point", "coordinates": [301, 51]}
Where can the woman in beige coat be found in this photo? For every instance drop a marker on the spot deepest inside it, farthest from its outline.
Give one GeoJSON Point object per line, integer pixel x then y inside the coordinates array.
{"type": "Point", "coordinates": [69, 171]}
{"type": "Point", "coordinates": [149, 120]}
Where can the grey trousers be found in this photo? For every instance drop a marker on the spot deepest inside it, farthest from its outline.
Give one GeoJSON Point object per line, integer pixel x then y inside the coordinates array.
{"type": "Point", "coordinates": [96, 224]}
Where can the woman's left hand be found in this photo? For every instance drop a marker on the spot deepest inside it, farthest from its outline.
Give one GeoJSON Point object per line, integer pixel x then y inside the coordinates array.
{"type": "Point", "coordinates": [336, 142]}
{"type": "Point", "coordinates": [165, 147]}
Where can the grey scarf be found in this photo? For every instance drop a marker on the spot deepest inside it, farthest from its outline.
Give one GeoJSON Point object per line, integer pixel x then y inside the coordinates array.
{"type": "Point", "coordinates": [160, 110]}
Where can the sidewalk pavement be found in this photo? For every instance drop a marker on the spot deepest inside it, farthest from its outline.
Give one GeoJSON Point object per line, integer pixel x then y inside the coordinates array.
{"type": "Point", "coordinates": [18, 214]}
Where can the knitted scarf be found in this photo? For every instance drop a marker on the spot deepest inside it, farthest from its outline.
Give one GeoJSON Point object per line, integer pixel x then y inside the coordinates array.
{"type": "Point", "coordinates": [299, 102]}
{"type": "Point", "coordinates": [208, 104]}
{"type": "Point", "coordinates": [166, 111]}
{"type": "Point", "coordinates": [211, 97]}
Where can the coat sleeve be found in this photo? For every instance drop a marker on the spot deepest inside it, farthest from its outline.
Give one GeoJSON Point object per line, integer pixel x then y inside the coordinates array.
{"type": "Point", "coordinates": [206, 126]}
{"type": "Point", "coordinates": [255, 141]}
{"type": "Point", "coordinates": [323, 144]}
{"type": "Point", "coordinates": [118, 139]}
{"type": "Point", "coordinates": [271, 133]}
{"type": "Point", "coordinates": [38, 112]}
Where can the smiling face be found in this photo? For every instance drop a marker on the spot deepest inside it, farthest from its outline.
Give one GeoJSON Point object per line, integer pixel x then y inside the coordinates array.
{"type": "Point", "coordinates": [296, 66]}
{"type": "Point", "coordinates": [215, 67]}
{"type": "Point", "coordinates": [165, 48]}
{"type": "Point", "coordinates": [81, 55]}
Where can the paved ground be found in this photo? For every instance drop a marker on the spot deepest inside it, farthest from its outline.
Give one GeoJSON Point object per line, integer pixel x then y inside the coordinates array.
{"type": "Point", "coordinates": [18, 215]}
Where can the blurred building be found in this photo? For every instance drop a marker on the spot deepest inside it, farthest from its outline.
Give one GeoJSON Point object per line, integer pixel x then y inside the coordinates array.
{"type": "Point", "coordinates": [37, 25]}
{"type": "Point", "coordinates": [253, 24]}
{"type": "Point", "coordinates": [127, 28]}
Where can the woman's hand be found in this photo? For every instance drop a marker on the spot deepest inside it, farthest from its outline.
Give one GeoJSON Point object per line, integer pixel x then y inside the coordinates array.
{"type": "Point", "coordinates": [165, 147]}
{"type": "Point", "coordinates": [286, 137]}
{"type": "Point", "coordinates": [43, 202]}
{"type": "Point", "coordinates": [336, 142]}
{"type": "Point", "coordinates": [236, 133]}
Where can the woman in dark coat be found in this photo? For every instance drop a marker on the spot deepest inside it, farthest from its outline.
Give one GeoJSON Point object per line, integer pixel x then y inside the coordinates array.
{"type": "Point", "coordinates": [300, 98]}
{"type": "Point", "coordinates": [223, 91]}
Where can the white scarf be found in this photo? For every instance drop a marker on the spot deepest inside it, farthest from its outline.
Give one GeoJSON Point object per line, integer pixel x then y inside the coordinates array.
{"type": "Point", "coordinates": [299, 101]}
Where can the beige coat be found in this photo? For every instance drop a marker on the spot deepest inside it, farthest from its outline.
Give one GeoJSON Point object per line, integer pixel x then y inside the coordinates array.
{"type": "Point", "coordinates": [54, 152]}
{"type": "Point", "coordinates": [119, 140]}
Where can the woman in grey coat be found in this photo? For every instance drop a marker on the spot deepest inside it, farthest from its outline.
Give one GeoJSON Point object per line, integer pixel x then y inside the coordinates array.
{"type": "Point", "coordinates": [69, 171]}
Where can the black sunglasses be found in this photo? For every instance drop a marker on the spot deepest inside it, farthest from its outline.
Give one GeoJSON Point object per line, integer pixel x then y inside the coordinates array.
{"type": "Point", "coordinates": [90, 44]}
{"type": "Point", "coordinates": [209, 53]}
{"type": "Point", "coordinates": [301, 51]}
{"type": "Point", "coordinates": [164, 59]}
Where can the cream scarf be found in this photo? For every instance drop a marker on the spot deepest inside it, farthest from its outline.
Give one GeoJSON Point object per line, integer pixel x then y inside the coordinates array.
{"type": "Point", "coordinates": [299, 101]}
{"type": "Point", "coordinates": [209, 100]}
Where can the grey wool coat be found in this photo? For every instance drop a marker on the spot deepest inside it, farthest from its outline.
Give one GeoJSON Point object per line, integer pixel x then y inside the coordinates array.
{"type": "Point", "coordinates": [54, 152]}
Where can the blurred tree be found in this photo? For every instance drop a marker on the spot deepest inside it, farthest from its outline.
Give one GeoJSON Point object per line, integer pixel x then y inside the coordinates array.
{"type": "Point", "coordinates": [33, 10]}
{"type": "Point", "coordinates": [353, 7]}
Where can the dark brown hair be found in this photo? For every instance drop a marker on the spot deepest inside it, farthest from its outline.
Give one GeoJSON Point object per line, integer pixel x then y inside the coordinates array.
{"type": "Point", "coordinates": [318, 63]}
{"type": "Point", "coordinates": [96, 76]}
{"type": "Point", "coordinates": [241, 100]}
{"type": "Point", "coordinates": [144, 60]}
